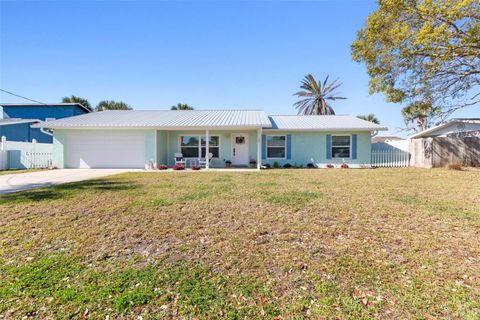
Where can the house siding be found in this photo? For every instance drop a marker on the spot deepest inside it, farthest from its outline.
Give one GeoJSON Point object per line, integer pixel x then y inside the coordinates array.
{"type": "Point", "coordinates": [23, 132]}
{"type": "Point", "coordinates": [306, 147]}
{"type": "Point", "coordinates": [309, 147]}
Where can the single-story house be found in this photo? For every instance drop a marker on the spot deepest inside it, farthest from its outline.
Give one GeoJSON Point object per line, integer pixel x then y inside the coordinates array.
{"type": "Point", "coordinates": [130, 139]}
{"type": "Point", "coordinates": [16, 119]}
{"type": "Point", "coordinates": [456, 141]}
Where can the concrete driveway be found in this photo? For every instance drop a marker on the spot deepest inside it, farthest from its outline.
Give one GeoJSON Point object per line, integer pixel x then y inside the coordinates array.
{"type": "Point", "coordinates": [38, 179]}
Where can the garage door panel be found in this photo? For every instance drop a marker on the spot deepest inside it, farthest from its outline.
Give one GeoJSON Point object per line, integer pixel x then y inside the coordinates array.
{"type": "Point", "coordinates": [105, 150]}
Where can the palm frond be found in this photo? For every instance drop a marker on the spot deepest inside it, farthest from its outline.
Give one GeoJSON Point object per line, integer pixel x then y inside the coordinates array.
{"type": "Point", "coordinates": [315, 95]}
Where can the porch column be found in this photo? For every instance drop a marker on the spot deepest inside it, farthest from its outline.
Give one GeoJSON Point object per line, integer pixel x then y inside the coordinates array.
{"type": "Point", "coordinates": [207, 149]}
{"type": "Point", "coordinates": [259, 148]}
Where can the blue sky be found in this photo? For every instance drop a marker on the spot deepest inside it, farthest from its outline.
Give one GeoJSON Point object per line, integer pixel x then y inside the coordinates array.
{"type": "Point", "coordinates": [211, 55]}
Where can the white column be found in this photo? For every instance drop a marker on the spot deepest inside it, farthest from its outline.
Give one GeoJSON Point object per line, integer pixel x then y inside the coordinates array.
{"type": "Point", "coordinates": [207, 149]}
{"type": "Point", "coordinates": [259, 148]}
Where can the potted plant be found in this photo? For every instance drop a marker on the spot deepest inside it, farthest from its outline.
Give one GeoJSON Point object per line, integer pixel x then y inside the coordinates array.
{"type": "Point", "coordinates": [228, 163]}
{"type": "Point", "coordinates": [178, 167]}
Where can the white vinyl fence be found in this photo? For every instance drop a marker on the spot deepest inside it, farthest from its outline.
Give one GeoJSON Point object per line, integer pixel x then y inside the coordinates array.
{"type": "Point", "coordinates": [386, 155]}
{"type": "Point", "coordinates": [25, 155]}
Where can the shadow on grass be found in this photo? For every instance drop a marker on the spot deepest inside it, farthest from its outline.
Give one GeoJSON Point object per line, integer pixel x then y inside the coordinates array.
{"type": "Point", "coordinates": [65, 191]}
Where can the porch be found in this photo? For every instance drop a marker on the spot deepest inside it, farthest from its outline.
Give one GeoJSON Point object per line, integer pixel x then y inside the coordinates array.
{"type": "Point", "coordinates": [230, 148]}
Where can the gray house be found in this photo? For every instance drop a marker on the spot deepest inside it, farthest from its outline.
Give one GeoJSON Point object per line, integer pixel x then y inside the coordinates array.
{"type": "Point", "coordinates": [456, 141]}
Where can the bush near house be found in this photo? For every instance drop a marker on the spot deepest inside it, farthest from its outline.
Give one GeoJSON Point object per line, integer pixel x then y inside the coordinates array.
{"type": "Point", "coordinates": [285, 244]}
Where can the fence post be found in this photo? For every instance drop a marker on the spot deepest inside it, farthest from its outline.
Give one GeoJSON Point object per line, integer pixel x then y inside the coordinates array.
{"type": "Point", "coordinates": [33, 155]}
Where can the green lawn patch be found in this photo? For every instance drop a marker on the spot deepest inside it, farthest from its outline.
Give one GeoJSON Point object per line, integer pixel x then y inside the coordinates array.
{"type": "Point", "coordinates": [274, 244]}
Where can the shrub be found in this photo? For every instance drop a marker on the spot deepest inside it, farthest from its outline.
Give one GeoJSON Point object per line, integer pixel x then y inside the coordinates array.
{"type": "Point", "coordinates": [454, 166]}
{"type": "Point", "coordinates": [310, 165]}
{"type": "Point", "coordinates": [266, 166]}
{"type": "Point", "coordinates": [178, 167]}
{"type": "Point", "coordinates": [276, 165]}
{"type": "Point", "coordinates": [330, 166]}
{"type": "Point", "coordinates": [287, 165]}
{"type": "Point", "coordinates": [195, 167]}
{"type": "Point", "coordinates": [344, 166]}
{"type": "Point", "coordinates": [162, 167]}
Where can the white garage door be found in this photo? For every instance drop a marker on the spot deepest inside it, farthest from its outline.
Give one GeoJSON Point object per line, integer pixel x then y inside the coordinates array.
{"type": "Point", "coordinates": [106, 149]}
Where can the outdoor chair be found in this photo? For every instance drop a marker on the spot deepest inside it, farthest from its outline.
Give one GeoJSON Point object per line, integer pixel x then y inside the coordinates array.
{"type": "Point", "coordinates": [180, 160]}
{"type": "Point", "coordinates": [203, 161]}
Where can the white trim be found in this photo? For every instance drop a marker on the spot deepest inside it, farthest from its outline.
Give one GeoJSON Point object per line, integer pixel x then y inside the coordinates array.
{"type": "Point", "coordinates": [259, 148]}
{"type": "Point", "coordinates": [323, 130]}
{"type": "Point", "coordinates": [155, 148]}
{"type": "Point", "coordinates": [266, 146]}
{"type": "Point", "coordinates": [207, 148]}
{"type": "Point", "coordinates": [350, 146]}
{"type": "Point", "coordinates": [161, 128]}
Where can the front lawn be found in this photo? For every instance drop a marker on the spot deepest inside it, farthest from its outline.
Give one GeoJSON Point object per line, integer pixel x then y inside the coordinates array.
{"type": "Point", "coordinates": [347, 244]}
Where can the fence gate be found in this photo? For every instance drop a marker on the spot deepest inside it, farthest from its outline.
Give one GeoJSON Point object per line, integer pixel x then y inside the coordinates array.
{"type": "Point", "coordinates": [25, 155]}
{"type": "Point", "coordinates": [385, 155]}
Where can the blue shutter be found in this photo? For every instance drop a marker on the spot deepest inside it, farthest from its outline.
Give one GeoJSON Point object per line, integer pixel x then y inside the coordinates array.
{"type": "Point", "coordinates": [354, 146]}
{"type": "Point", "coordinates": [264, 147]}
{"type": "Point", "coordinates": [329, 146]}
{"type": "Point", "coordinates": [289, 146]}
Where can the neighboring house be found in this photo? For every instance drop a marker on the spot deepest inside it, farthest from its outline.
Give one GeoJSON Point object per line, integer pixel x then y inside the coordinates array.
{"type": "Point", "coordinates": [130, 139]}
{"type": "Point", "coordinates": [456, 141]}
{"type": "Point", "coordinates": [392, 142]}
{"type": "Point", "coordinates": [16, 119]}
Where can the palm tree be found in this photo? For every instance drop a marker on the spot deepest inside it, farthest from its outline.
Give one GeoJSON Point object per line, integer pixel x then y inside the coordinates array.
{"type": "Point", "coordinates": [75, 99]}
{"type": "Point", "coordinates": [420, 114]}
{"type": "Point", "coordinates": [370, 117]}
{"type": "Point", "coordinates": [112, 105]}
{"type": "Point", "coordinates": [181, 106]}
{"type": "Point", "coordinates": [315, 96]}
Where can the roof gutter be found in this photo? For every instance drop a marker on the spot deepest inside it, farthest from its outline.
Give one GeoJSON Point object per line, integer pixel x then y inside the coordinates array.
{"type": "Point", "coordinates": [42, 130]}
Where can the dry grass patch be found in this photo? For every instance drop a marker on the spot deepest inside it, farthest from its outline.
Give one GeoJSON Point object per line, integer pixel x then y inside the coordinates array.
{"type": "Point", "coordinates": [358, 244]}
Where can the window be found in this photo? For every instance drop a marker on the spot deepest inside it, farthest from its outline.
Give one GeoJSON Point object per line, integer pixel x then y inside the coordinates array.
{"type": "Point", "coordinates": [341, 147]}
{"type": "Point", "coordinates": [191, 146]}
{"type": "Point", "coordinates": [276, 147]}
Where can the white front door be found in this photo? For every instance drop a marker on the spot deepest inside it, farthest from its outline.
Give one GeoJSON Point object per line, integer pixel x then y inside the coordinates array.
{"type": "Point", "coordinates": [240, 149]}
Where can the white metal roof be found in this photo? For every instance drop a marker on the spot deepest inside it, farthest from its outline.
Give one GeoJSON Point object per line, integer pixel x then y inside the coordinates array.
{"type": "Point", "coordinates": [323, 123]}
{"type": "Point", "coordinates": [163, 119]}
{"type": "Point", "coordinates": [438, 129]}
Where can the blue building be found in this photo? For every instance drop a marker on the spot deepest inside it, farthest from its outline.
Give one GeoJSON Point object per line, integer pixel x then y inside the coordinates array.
{"type": "Point", "coordinates": [16, 119]}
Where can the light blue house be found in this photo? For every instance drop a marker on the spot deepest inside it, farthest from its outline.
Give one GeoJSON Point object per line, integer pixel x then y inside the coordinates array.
{"type": "Point", "coordinates": [16, 119]}
{"type": "Point", "coordinates": [246, 138]}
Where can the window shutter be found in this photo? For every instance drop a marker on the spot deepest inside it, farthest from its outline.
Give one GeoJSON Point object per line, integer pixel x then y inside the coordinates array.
{"type": "Point", "coordinates": [264, 147]}
{"type": "Point", "coordinates": [354, 146]}
{"type": "Point", "coordinates": [329, 146]}
{"type": "Point", "coordinates": [289, 146]}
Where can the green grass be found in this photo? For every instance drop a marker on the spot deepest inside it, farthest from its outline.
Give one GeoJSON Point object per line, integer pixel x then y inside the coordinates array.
{"type": "Point", "coordinates": [349, 244]}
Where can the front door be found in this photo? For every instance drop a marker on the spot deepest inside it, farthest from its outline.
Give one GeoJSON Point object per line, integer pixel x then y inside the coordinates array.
{"type": "Point", "coordinates": [240, 149]}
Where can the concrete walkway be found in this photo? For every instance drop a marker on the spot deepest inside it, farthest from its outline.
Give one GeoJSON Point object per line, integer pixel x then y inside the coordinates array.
{"type": "Point", "coordinates": [38, 179]}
